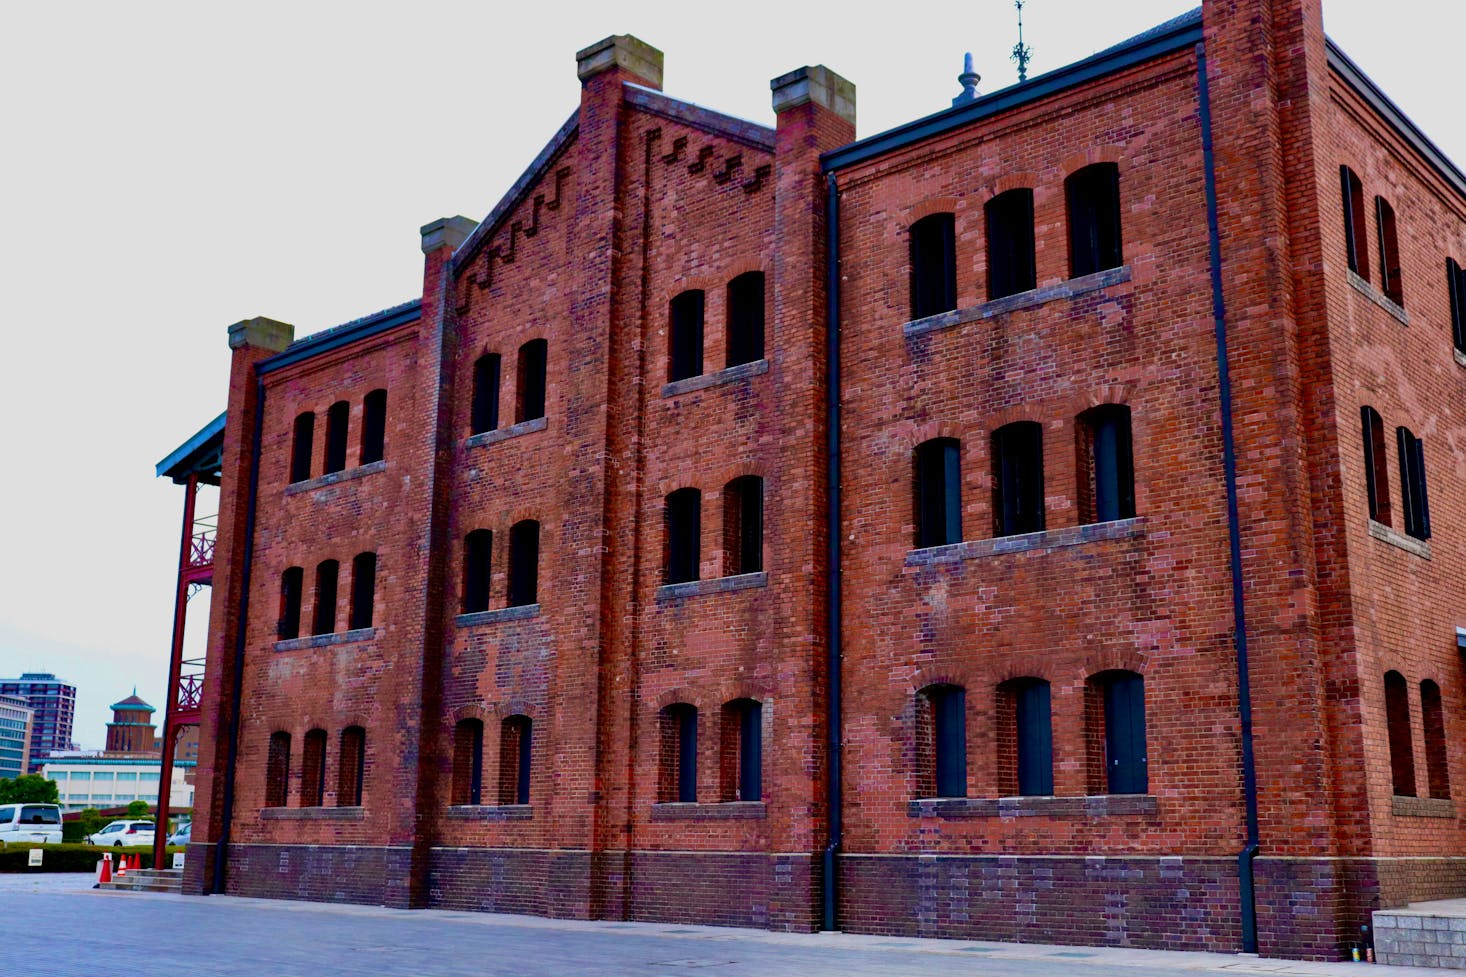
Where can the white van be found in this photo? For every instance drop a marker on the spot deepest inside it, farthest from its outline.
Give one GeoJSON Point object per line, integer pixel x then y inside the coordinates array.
{"type": "Point", "coordinates": [30, 822]}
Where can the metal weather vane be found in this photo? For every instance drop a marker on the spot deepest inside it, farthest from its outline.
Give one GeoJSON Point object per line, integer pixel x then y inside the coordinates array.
{"type": "Point", "coordinates": [1021, 52]}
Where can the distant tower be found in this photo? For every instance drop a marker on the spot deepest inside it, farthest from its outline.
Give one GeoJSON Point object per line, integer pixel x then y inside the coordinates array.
{"type": "Point", "coordinates": [1021, 52]}
{"type": "Point", "coordinates": [132, 729]}
{"type": "Point", "coordinates": [968, 80]}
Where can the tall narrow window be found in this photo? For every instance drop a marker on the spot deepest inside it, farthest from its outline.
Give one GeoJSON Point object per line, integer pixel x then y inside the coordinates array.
{"type": "Point", "coordinates": [363, 590]}
{"type": "Point", "coordinates": [468, 762]}
{"type": "Point", "coordinates": [938, 492]}
{"type": "Point", "coordinates": [1018, 479]}
{"type": "Point", "coordinates": [313, 769]}
{"type": "Point", "coordinates": [277, 770]}
{"type": "Point", "coordinates": [1107, 467]}
{"type": "Point", "coordinates": [742, 751]}
{"type": "Point", "coordinates": [484, 412]}
{"type": "Point", "coordinates": [1433, 718]}
{"type": "Point", "coordinates": [746, 318]}
{"type": "Point", "coordinates": [301, 445]}
{"type": "Point", "coordinates": [351, 773]}
{"type": "Point", "coordinates": [325, 617]}
{"type": "Point", "coordinates": [1010, 243]}
{"type": "Point", "coordinates": [683, 522]}
{"type": "Point", "coordinates": [292, 584]}
{"type": "Point", "coordinates": [533, 356]}
{"type": "Point", "coordinates": [514, 740]}
{"type": "Point", "coordinates": [337, 417]}
{"type": "Point", "coordinates": [1413, 501]}
{"type": "Point", "coordinates": [373, 427]}
{"type": "Point", "coordinates": [478, 549]}
{"type": "Point", "coordinates": [743, 525]}
{"type": "Point", "coordinates": [933, 265]}
{"type": "Point", "coordinates": [524, 563]}
{"type": "Point", "coordinates": [1389, 252]}
{"type": "Point", "coordinates": [1376, 479]}
{"type": "Point", "coordinates": [685, 336]}
{"type": "Point", "coordinates": [944, 740]}
{"type": "Point", "coordinates": [1397, 725]}
{"type": "Point", "coordinates": [1026, 740]}
{"type": "Point", "coordinates": [1122, 710]}
{"type": "Point", "coordinates": [1093, 197]}
{"type": "Point", "coordinates": [1456, 289]}
{"type": "Point", "coordinates": [679, 753]}
{"type": "Point", "coordinates": [1355, 239]}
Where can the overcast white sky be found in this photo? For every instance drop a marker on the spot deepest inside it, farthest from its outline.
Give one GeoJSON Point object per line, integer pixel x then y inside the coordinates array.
{"type": "Point", "coordinates": [169, 168]}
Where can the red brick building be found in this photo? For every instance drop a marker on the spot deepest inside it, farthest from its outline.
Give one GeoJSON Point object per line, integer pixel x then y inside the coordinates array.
{"type": "Point", "coordinates": [1009, 526]}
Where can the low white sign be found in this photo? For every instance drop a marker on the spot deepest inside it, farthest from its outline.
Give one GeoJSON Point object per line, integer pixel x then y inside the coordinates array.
{"type": "Point", "coordinates": [178, 859]}
{"type": "Point", "coordinates": [33, 857]}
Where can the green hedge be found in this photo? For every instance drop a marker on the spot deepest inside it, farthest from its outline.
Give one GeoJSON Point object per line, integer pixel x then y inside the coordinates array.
{"type": "Point", "coordinates": [70, 858]}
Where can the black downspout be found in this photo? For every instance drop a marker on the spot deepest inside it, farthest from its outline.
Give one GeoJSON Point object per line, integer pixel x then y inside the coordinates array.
{"type": "Point", "coordinates": [1246, 890]}
{"type": "Point", "coordinates": [829, 891]}
{"type": "Point", "coordinates": [222, 843]}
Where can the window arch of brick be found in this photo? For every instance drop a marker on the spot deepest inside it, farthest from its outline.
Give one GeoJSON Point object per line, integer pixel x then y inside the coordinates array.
{"type": "Point", "coordinates": [478, 555]}
{"type": "Point", "coordinates": [468, 761]}
{"type": "Point", "coordinates": [351, 771]}
{"type": "Point", "coordinates": [524, 563]}
{"type": "Point", "coordinates": [1092, 195]}
{"type": "Point", "coordinates": [1376, 478]}
{"type": "Point", "coordinates": [277, 770]}
{"type": "Point", "coordinates": [292, 588]}
{"type": "Point", "coordinates": [1010, 250]}
{"type": "Point", "coordinates": [514, 759]}
{"type": "Point", "coordinates": [363, 590]}
{"type": "Point", "coordinates": [327, 575]}
{"type": "Point", "coordinates": [1018, 478]}
{"type": "Point", "coordinates": [373, 427]}
{"type": "Point", "coordinates": [677, 768]}
{"type": "Point", "coordinates": [1115, 735]}
{"type": "Point", "coordinates": [1025, 737]}
{"type": "Point", "coordinates": [1433, 719]}
{"type": "Point", "coordinates": [1414, 504]}
{"type": "Point", "coordinates": [682, 532]}
{"type": "Point", "coordinates": [313, 769]}
{"type": "Point", "coordinates": [1356, 240]}
{"type": "Point", "coordinates": [740, 774]}
{"type": "Point", "coordinates": [743, 525]}
{"type": "Point", "coordinates": [746, 318]}
{"type": "Point", "coordinates": [338, 418]}
{"type": "Point", "coordinates": [937, 492]}
{"type": "Point", "coordinates": [685, 335]}
{"type": "Point", "coordinates": [941, 741]}
{"type": "Point", "coordinates": [933, 265]}
{"type": "Point", "coordinates": [302, 443]}
{"type": "Point", "coordinates": [484, 410]}
{"type": "Point", "coordinates": [1106, 464]}
{"type": "Point", "coordinates": [1397, 727]}
{"type": "Point", "coordinates": [1390, 281]}
{"type": "Point", "coordinates": [530, 396]}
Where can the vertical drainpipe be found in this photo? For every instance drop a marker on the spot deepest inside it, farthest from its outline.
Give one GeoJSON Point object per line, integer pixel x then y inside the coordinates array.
{"type": "Point", "coordinates": [1246, 890]}
{"type": "Point", "coordinates": [829, 891]}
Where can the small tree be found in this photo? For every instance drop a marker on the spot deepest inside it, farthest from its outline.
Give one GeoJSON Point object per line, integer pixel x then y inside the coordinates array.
{"type": "Point", "coordinates": [29, 789]}
{"type": "Point", "coordinates": [137, 809]}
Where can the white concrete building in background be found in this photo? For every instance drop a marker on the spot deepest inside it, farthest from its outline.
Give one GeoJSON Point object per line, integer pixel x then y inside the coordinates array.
{"type": "Point", "coordinates": [84, 781]}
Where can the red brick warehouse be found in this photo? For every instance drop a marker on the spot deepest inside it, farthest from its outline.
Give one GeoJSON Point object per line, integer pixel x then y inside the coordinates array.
{"type": "Point", "coordinates": [1009, 526]}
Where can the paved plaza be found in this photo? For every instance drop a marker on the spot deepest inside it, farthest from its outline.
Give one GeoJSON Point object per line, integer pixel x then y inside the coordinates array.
{"type": "Point", "coordinates": [58, 926]}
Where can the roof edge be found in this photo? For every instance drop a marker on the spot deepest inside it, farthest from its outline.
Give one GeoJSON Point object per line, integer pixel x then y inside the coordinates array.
{"type": "Point", "coordinates": [180, 454]}
{"type": "Point", "coordinates": [342, 335]}
{"type": "Point", "coordinates": [751, 134]}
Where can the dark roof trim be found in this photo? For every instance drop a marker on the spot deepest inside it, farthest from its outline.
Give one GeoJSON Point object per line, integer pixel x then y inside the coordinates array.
{"type": "Point", "coordinates": [738, 130]}
{"type": "Point", "coordinates": [1175, 35]}
{"type": "Point", "coordinates": [196, 454]}
{"type": "Point", "coordinates": [1399, 121]}
{"type": "Point", "coordinates": [522, 186]}
{"type": "Point", "coordinates": [343, 335]}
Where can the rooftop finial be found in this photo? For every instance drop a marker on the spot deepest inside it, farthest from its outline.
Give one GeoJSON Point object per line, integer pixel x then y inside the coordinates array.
{"type": "Point", "coordinates": [1021, 52]}
{"type": "Point", "coordinates": [968, 80]}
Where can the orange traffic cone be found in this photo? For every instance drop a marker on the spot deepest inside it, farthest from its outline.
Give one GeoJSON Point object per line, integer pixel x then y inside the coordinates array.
{"type": "Point", "coordinates": [122, 866]}
{"type": "Point", "coordinates": [104, 870]}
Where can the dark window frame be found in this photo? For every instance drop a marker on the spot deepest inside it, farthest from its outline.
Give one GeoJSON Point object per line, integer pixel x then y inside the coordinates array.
{"type": "Point", "coordinates": [1414, 499]}
{"type": "Point", "coordinates": [743, 525]}
{"type": "Point", "coordinates": [1012, 259]}
{"type": "Point", "coordinates": [936, 475]}
{"type": "Point", "coordinates": [328, 579]}
{"type": "Point", "coordinates": [483, 411]}
{"type": "Point", "coordinates": [478, 567]}
{"type": "Point", "coordinates": [1456, 291]}
{"type": "Point", "coordinates": [747, 301]}
{"type": "Point", "coordinates": [1028, 736]}
{"type": "Point", "coordinates": [516, 735]}
{"type": "Point", "coordinates": [933, 251]}
{"type": "Point", "coordinates": [363, 591]}
{"type": "Point", "coordinates": [1390, 270]}
{"type": "Point", "coordinates": [1107, 489]}
{"type": "Point", "coordinates": [1376, 473]}
{"type": "Point", "coordinates": [524, 563]}
{"type": "Point", "coordinates": [313, 769]}
{"type": "Point", "coordinates": [682, 536]}
{"type": "Point", "coordinates": [373, 427]}
{"type": "Point", "coordinates": [351, 768]}
{"type": "Point", "coordinates": [1019, 505]}
{"type": "Point", "coordinates": [338, 427]}
{"type": "Point", "coordinates": [1092, 200]}
{"type": "Point", "coordinates": [686, 323]}
{"type": "Point", "coordinates": [468, 761]}
{"type": "Point", "coordinates": [1356, 238]}
{"type": "Point", "coordinates": [302, 446]}
{"type": "Point", "coordinates": [942, 750]}
{"type": "Point", "coordinates": [292, 595]}
{"type": "Point", "coordinates": [532, 379]}
{"type": "Point", "coordinates": [1123, 741]}
{"type": "Point", "coordinates": [1399, 734]}
{"type": "Point", "coordinates": [679, 753]}
{"type": "Point", "coordinates": [277, 770]}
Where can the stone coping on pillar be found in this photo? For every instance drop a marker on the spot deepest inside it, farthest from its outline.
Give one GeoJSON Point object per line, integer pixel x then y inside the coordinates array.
{"type": "Point", "coordinates": [817, 84]}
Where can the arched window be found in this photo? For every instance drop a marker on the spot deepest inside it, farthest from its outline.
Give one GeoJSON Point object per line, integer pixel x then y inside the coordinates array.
{"type": "Point", "coordinates": [1397, 724]}
{"type": "Point", "coordinates": [1356, 241]}
{"type": "Point", "coordinates": [524, 563]}
{"type": "Point", "coordinates": [338, 416]}
{"type": "Point", "coordinates": [478, 548]}
{"type": "Point", "coordinates": [1107, 475]}
{"type": "Point", "coordinates": [292, 585]}
{"type": "Point", "coordinates": [1026, 737]}
{"type": "Point", "coordinates": [514, 753]}
{"type": "Point", "coordinates": [1018, 479]}
{"type": "Point", "coordinates": [678, 780]}
{"type": "Point", "coordinates": [1389, 252]}
{"type": "Point", "coordinates": [1456, 289]}
{"type": "Point", "coordinates": [351, 774]}
{"type": "Point", "coordinates": [1115, 703]}
{"type": "Point", "coordinates": [933, 265]}
{"type": "Point", "coordinates": [742, 751]}
{"type": "Point", "coordinates": [743, 525]}
{"type": "Point", "coordinates": [1433, 718]}
{"type": "Point", "coordinates": [1093, 198]}
{"type": "Point", "coordinates": [277, 770]}
{"type": "Point", "coordinates": [301, 445]}
{"type": "Point", "coordinates": [746, 318]}
{"type": "Point", "coordinates": [937, 492]}
{"type": "Point", "coordinates": [533, 356]}
{"type": "Point", "coordinates": [942, 741]}
{"type": "Point", "coordinates": [363, 590]}
{"type": "Point", "coordinates": [1010, 254]}
{"type": "Point", "coordinates": [468, 762]}
{"type": "Point", "coordinates": [373, 427]}
{"type": "Point", "coordinates": [683, 525]}
{"type": "Point", "coordinates": [313, 769]}
{"type": "Point", "coordinates": [1413, 501]}
{"type": "Point", "coordinates": [1376, 479]}
{"type": "Point", "coordinates": [325, 617]}
{"type": "Point", "coordinates": [684, 336]}
{"type": "Point", "coordinates": [484, 412]}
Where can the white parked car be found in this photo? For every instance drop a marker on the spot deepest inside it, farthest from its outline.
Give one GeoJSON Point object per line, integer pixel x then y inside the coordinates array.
{"type": "Point", "coordinates": [30, 822]}
{"type": "Point", "coordinates": [124, 833]}
{"type": "Point", "coordinates": [183, 835]}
